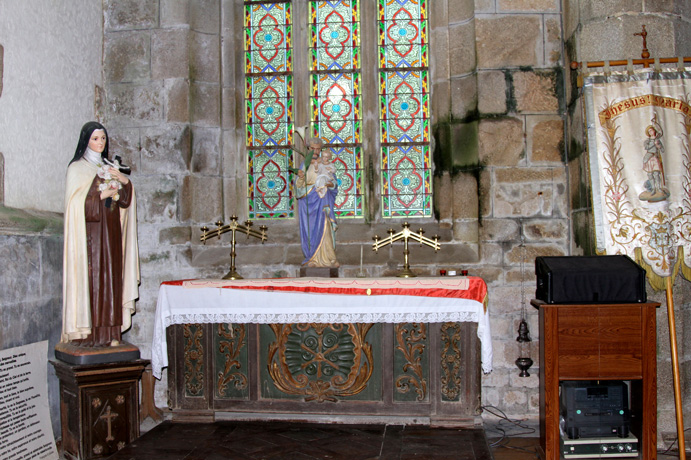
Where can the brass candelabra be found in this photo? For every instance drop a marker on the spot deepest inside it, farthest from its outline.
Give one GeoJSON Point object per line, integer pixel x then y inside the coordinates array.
{"type": "Point", "coordinates": [233, 227]}
{"type": "Point", "coordinates": [405, 235]}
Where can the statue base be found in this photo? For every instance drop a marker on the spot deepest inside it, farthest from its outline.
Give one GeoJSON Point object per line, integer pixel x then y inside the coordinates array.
{"type": "Point", "coordinates": [73, 354]}
{"type": "Point", "coordinates": [99, 407]}
{"type": "Point", "coordinates": [318, 272]}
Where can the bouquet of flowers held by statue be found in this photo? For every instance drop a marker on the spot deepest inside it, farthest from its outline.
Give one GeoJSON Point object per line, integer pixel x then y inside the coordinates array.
{"type": "Point", "coordinates": [109, 182]}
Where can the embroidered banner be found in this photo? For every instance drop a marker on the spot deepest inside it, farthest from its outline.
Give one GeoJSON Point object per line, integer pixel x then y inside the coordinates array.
{"type": "Point", "coordinates": [639, 142]}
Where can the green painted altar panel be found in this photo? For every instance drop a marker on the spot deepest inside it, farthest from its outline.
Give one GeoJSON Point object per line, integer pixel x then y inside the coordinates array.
{"type": "Point", "coordinates": [320, 362]}
{"type": "Point", "coordinates": [421, 371]}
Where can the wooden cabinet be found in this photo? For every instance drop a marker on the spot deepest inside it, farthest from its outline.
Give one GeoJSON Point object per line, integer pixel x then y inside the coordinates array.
{"type": "Point", "coordinates": [99, 407]}
{"type": "Point", "coordinates": [598, 342]}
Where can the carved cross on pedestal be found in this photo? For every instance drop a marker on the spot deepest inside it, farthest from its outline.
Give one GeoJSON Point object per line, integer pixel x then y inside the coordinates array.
{"type": "Point", "coordinates": [109, 417]}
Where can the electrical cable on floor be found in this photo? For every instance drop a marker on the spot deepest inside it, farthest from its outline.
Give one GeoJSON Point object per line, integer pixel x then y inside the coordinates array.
{"type": "Point", "coordinates": [665, 452]}
{"type": "Point", "coordinates": [503, 418]}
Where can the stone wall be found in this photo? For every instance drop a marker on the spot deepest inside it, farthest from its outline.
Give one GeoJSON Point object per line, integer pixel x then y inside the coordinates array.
{"type": "Point", "coordinates": [31, 286]}
{"type": "Point", "coordinates": [175, 108]}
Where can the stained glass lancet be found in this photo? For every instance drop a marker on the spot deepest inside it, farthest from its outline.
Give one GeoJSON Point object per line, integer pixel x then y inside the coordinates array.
{"type": "Point", "coordinates": [269, 107]}
{"type": "Point", "coordinates": [335, 94]}
{"type": "Point", "coordinates": [404, 109]}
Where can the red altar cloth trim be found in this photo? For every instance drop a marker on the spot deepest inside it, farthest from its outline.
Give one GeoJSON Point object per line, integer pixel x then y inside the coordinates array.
{"type": "Point", "coordinates": [472, 288]}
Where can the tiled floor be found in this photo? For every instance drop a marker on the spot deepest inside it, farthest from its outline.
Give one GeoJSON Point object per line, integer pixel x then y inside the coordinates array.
{"type": "Point", "coordinates": [284, 440]}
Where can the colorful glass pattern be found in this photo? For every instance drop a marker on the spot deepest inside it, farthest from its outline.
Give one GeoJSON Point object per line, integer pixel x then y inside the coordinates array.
{"type": "Point", "coordinates": [269, 189]}
{"type": "Point", "coordinates": [269, 108]}
{"type": "Point", "coordinates": [406, 181]}
{"type": "Point", "coordinates": [335, 94]}
{"type": "Point", "coordinates": [404, 109]}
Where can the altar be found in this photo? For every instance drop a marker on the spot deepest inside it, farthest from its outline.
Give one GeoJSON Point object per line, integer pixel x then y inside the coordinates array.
{"type": "Point", "coordinates": [405, 350]}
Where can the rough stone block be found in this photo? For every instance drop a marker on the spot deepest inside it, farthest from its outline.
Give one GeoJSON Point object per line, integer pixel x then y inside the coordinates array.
{"type": "Point", "coordinates": [545, 139]}
{"type": "Point", "coordinates": [491, 90]}
{"type": "Point", "coordinates": [553, 40]}
{"type": "Point", "coordinates": [523, 200]}
{"type": "Point", "coordinates": [206, 154]}
{"type": "Point", "coordinates": [177, 101]}
{"type": "Point", "coordinates": [485, 6]}
{"type": "Point", "coordinates": [160, 200]}
{"type": "Point", "coordinates": [128, 57]}
{"type": "Point", "coordinates": [508, 41]}
{"type": "Point", "coordinates": [174, 13]}
{"type": "Point", "coordinates": [205, 107]}
{"type": "Point", "coordinates": [608, 8]}
{"type": "Point", "coordinates": [619, 31]}
{"type": "Point", "coordinates": [170, 52]}
{"type": "Point", "coordinates": [231, 109]}
{"type": "Point", "coordinates": [501, 142]}
{"type": "Point", "coordinates": [499, 230]}
{"type": "Point", "coordinates": [536, 91]}
{"type": "Point", "coordinates": [439, 15]}
{"type": "Point", "coordinates": [202, 199]}
{"type": "Point", "coordinates": [19, 279]}
{"type": "Point", "coordinates": [175, 235]}
{"type": "Point", "coordinates": [523, 6]}
{"type": "Point", "coordinates": [465, 197]}
{"type": "Point", "coordinates": [205, 16]}
{"type": "Point", "coordinates": [516, 254]}
{"type": "Point", "coordinates": [130, 14]}
{"type": "Point", "coordinates": [464, 96]}
{"type": "Point", "coordinates": [2, 179]}
{"type": "Point", "coordinates": [460, 10]}
{"type": "Point", "coordinates": [125, 142]}
{"type": "Point", "coordinates": [444, 197]}
{"type": "Point", "coordinates": [546, 230]}
{"type": "Point", "coordinates": [166, 149]}
{"type": "Point", "coordinates": [466, 231]}
{"type": "Point", "coordinates": [134, 105]}
{"type": "Point", "coordinates": [571, 17]}
{"type": "Point", "coordinates": [462, 59]}
{"type": "Point", "coordinates": [485, 187]}
{"type": "Point", "coordinates": [439, 59]}
{"type": "Point", "coordinates": [205, 57]}
{"type": "Point", "coordinates": [464, 145]}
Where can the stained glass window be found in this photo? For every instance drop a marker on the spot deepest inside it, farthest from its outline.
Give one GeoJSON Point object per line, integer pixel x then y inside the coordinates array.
{"type": "Point", "coordinates": [269, 107]}
{"type": "Point", "coordinates": [404, 109]}
{"type": "Point", "coordinates": [335, 94]}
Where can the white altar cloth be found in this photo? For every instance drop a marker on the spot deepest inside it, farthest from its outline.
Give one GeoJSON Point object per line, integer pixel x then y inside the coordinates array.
{"type": "Point", "coordinates": [431, 300]}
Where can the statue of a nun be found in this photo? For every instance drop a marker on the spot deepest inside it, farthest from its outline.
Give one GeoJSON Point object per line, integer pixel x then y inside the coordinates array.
{"type": "Point", "coordinates": [101, 262]}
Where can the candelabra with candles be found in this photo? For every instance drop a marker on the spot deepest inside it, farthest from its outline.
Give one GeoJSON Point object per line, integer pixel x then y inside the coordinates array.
{"type": "Point", "coordinates": [233, 227]}
{"type": "Point", "coordinates": [405, 235]}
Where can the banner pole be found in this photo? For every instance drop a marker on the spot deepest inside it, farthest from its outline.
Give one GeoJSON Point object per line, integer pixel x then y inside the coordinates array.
{"type": "Point", "coordinates": [675, 370]}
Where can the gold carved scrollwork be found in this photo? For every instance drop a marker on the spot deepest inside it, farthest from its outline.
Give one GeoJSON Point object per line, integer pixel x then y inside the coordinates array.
{"type": "Point", "coordinates": [411, 342]}
{"type": "Point", "coordinates": [193, 352]}
{"type": "Point", "coordinates": [451, 361]}
{"type": "Point", "coordinates": [322, 362]}
{"type": "Point", "coordinates": [233, 339]}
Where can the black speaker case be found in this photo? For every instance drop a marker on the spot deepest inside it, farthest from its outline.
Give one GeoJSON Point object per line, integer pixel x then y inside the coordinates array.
{"type": "Point", "coordinates": [589, 279]}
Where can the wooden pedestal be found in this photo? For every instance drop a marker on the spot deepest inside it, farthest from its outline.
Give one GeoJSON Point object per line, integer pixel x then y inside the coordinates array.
{"type": "Point", "coordinates": [99, 407]}
{"type": "Point", "coordinates": [599, 342]}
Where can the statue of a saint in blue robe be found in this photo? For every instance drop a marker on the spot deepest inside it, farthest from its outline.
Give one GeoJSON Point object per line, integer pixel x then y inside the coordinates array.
{"type": "Point", "coordinates": [317, 219]}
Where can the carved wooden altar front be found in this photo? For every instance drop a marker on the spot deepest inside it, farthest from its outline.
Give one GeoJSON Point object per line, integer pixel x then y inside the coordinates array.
{"type": "Point", "coordinates": [420, 373]}
{"type": "Point", "coordinates": [350, 350]}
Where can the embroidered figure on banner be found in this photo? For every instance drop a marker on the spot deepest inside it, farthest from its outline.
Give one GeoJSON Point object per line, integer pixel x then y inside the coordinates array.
{"type": "Point", "coordinates": [655, 186]}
